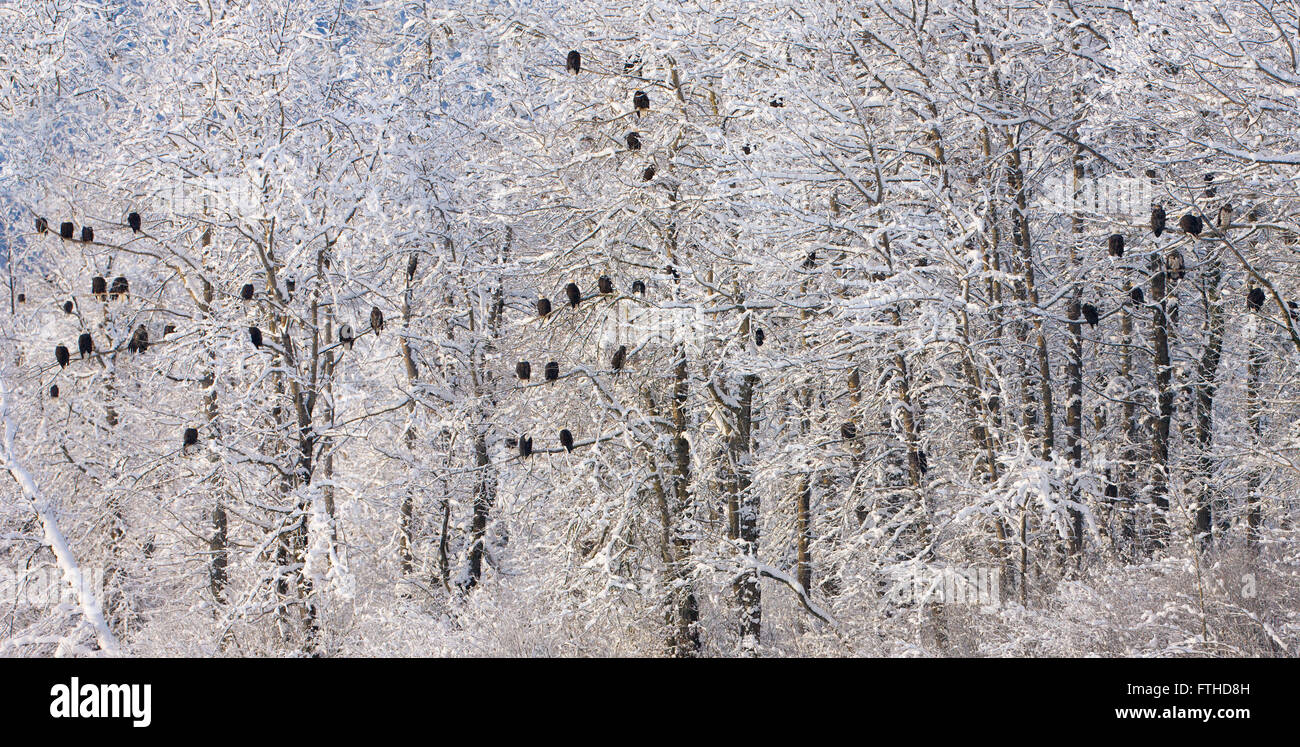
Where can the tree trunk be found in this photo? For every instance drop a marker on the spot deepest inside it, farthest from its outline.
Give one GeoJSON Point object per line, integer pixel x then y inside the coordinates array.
{"type": "Point", "coordinates": [1206, 385]}
{"type": "Point", "coordinates": [1165, 405]}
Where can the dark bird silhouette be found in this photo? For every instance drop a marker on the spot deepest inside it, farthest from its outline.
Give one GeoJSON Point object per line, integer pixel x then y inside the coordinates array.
{"type": "Point", "coordinates": [1137, 295]}
{"type": "Point", "coordinates": [133, 220]}
{"type": "Point", "coordinates": [376, 319]}
{"type": "Point", "coordinates": [54, 391]}
{"type": "Point", "coordinates": [1174, 261]}
{"type": "Point", "coordinates": [42, 225]}
{"type": "Point", "coordinates": [566, 439]}
{"type": "Point", "coordinates": [848, 431]}
{"type": "Point", "coordinates": [620, 357]}
{"type": "Point", "coordinates": [87, 234]}
{"type": "Point", "coordinates": [633, 141]}
{"type": "Point", "coordinates": [61, 355]}
{"type": "Point", "coordinates": [759, 336]}
{"type": "Point", "coordinates": [99, 287]}
{"type": "Point", "coordinates": [246, 292]}
{"type": "Point", "coordinates": [255, 335]}
{"type": "Point", "coordinates": [119, 288]}
{"type": "Point", "coordinates": [605, 285]}
{"type": "Point", "coordinates": [1116, 245]}
{"type": "Point", "coordinates": [525, 446]}
{"type": "Point", "coordinates": [572, 292]}
{"type": "Point", "coordinates": [1158, 220]}
{"type": "Point", "coordinates": [1090, 314]}
{"type": "Point", "coordinates": [191, 438]}
{"type": "Point", "coordinates": [67, 307]}
{"type": "Point", "coordinates": [345, 335]}
{"type": "Point", "coordinates": [524, 370]}
{"type": "Point", "coordinates": [22, 298]}
{"type": "Point", "coordinates": [543, 306]}
{"type": "Point", "coordinates": [649, 173]}
{"type": "Point", "coordinates": [139, 340]}
{"type": "Point", "coordinates": [638, 287]}
{"type": "Point", "coordinates": [777, 102]}
{"type": "Point", "coordinates": [411, 264]}
{"type": "Point", "coordinates": [65, 229]}
{"type": "Point", "coordinates": [641, 102]}
{"type": "Point", "coordinates": [552, 371]}
{"type": "Point", "coordinates": [1255, 299]}
{"type": "Point", "coordinates": [1190, 224]}
{"type": "Point", "coordinates": [85, 345]}
{"type": "Point", "coordinates": [168, 329]}
{"type": "Point", "coordinates": [573, 63]}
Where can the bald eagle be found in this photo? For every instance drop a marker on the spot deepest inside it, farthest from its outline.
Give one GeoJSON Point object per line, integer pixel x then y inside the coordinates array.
{"type": "Point", "coordinates": [1116, 245]}
{"type": "Point", "coordinates": [1174, 260]}
{"type": "Point", "coordinates": [61, 355]}
{"type": "Point", "coordinates": [139, 340]}
{"type": "Point", "coordinates": [1158, 220]}
{"type": "Point", "coordinates": [133, 220]}
{"type": "Point", "coordinates": [1255, 299]}
{"type": "Point", "coordinates": [573, 63]}
{"type": "Point", "coordinates": [1090, 314]}
{"type": "Point", "coordinates": [620, 357]}
{"type": "Point", "coordinates": [566, 439]}
{"type": "Point", "coordinates": [574, 295]}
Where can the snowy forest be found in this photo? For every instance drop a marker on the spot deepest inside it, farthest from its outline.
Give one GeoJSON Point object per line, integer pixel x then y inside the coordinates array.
{"type": "Point", "coordinates": [678, 328]}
